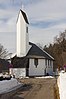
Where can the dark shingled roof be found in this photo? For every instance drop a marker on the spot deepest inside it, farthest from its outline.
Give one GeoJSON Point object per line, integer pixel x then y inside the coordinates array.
{"type": "Point", "coordinates": [25, 16]}
{"type": "Point", "coordinates": [36, 52]}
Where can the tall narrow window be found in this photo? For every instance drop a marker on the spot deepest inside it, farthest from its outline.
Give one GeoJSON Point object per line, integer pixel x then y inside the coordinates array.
{"type": "Point", "coordinates": [46, 62]}
{"type": "Point", "coordinates": [50, 63]}
{"type": "Point", "coordinates": [36, 62]}
{"type": "Point", "coordinates": [27, 29]}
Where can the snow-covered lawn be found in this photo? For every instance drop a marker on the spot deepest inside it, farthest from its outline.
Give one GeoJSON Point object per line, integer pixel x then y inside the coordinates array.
{"type": "Point", "coordinates": [9, 85]}
{"type": "Point", "coordinates": [62, 85]}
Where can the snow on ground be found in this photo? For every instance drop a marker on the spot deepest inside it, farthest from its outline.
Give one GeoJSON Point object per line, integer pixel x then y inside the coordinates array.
{"type": "Point", "coordinates": [62, 85]}
{"type": "Point", "coordinates": [9, 85]}
{"type": "Point", "coordinates": [45, 77]}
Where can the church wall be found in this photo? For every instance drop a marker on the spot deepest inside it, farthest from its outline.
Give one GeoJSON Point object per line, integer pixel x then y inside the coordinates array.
{"type": "Point", "coordinates": [49, 67]}
{"type": "Point", "coordinates": [39, 70]}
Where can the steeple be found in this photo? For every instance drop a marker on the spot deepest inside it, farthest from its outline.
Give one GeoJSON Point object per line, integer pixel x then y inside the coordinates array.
{"type": "Point", "coordinates": [22, 34]}
{"type": "Point", "coordinates": [25, 16]}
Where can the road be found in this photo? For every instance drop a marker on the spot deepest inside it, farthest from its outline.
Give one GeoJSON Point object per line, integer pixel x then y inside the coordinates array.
{"type": "Point", "coordinates": [34, 88]}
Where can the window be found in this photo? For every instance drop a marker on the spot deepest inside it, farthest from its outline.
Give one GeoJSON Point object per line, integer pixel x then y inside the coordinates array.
{"type": "Point", "coordinates": [50, 63]}
{"type": "Point", "coordinates": [27, 29]}
{"type": "Point", "coordinates": [46, 62]}
{"type": "Point", "coordinates": [36, 62]}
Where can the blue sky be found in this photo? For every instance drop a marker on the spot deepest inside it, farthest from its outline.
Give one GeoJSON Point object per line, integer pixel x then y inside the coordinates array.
{"type": "Point", "coordinates": [47, 19]}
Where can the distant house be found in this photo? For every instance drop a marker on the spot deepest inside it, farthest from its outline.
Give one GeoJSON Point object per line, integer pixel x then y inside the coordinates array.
{"type": "Point", "coordinates": [30, 60]}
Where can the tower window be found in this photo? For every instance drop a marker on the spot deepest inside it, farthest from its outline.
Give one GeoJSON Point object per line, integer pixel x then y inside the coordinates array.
{"type": "Point", "coordinates": [36, 62]}
{"type": "Point", "coordinates": [27, 29]}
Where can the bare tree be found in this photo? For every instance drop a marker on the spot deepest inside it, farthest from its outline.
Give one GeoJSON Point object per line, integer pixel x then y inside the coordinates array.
{"type": "Point", "coordinates": [3, 52]}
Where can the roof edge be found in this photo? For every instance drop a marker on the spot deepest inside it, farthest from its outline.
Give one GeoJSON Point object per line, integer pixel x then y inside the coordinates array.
{"type": "Point", "coordinates": [42, 50]}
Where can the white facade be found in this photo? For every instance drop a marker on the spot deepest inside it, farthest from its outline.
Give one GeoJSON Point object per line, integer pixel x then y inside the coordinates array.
{"type": "Point", "coordinates": [22, 36]}
{"type": "Point", "coordinates": [18, 72]}
{"type": "Point", "coordinates": [41, 68]}
{"type": "Point", "coordinates": [49, 67]}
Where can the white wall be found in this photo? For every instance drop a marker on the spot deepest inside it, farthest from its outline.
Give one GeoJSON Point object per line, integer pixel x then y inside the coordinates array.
{"type": "Point", "coordinates": [40, 70]}
{"type": "Point", "coordinates": [49, 68]}
{"type": "Point", "coordinates": [36, 71]}
{"type": "Point", "coordinates": [22, 36]}
{"type": "Point", "coordinates": [18, 72]}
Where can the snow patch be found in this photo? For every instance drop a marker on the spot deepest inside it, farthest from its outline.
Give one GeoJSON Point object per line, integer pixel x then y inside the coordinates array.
{"type": "Point", "coordinates": [45, 77]}
{"type": "Point", "coordinates": [9, 85]}
{"type": "Point", "coordinates": [62, 85]}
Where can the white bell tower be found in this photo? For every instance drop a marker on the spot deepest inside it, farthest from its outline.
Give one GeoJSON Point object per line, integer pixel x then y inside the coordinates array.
{"type": "Point", "coordinates": [22, 34]}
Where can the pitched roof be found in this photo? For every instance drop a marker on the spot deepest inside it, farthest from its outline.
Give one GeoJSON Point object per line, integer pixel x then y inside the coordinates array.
{"type": "Point", "coordinates": [25, 16]}
{"type": "Point", "coordinates": [36, 52]}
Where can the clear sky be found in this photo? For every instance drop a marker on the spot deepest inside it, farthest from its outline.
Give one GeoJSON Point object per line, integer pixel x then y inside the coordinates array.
{"type": "Point", "coordinates": [47, 19]}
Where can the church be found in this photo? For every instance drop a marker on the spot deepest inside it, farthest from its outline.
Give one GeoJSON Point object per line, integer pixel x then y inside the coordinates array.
{"type": "Point", "coordinates": [30, 60]}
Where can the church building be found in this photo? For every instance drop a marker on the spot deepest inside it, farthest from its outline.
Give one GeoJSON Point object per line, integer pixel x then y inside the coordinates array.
{"type": "Point", "coordinates": [30, 60]}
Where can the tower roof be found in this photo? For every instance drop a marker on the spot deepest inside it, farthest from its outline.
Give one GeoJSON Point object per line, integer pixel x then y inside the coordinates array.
{"type": "Point", "coordinates": [25, 16]}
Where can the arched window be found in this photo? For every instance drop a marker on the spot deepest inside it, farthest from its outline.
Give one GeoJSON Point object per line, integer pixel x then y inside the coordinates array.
{"type": "Point", "coordinates": [36, 62]}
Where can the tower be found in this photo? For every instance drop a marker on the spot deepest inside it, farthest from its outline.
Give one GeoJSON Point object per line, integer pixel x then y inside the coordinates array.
{"type": "Point", "coordinates": [22, 34]}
